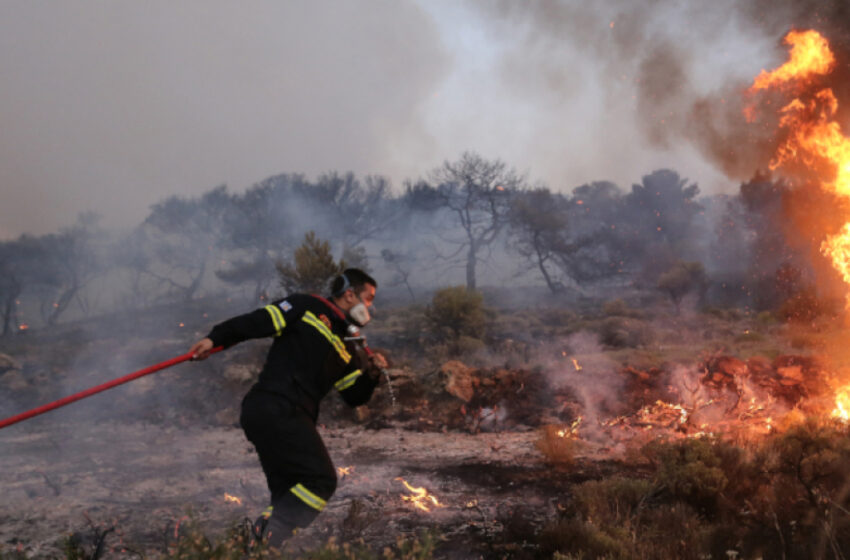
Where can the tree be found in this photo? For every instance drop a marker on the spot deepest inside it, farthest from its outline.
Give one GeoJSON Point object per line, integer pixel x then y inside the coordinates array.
{"type": "Point", "coordinates": [478, 193]}
{"type": "Point", "coordinates": [352, 210]}
{"type": "Point", "coordinates": [681, 279]}
{"type": "Point", "coordinates": [401, 264]}
{"type": "Point", "coordinates": [73, 258]}
{"type": "Point", "coordinates": [20, 261]}
{"type": "Point", "coordinates": [313, 267]}
{"type": "Point", "coordinates": [260, 229]}
{"type": "Point", "coordinates": [593, 249]}
{"type": "Point", "coordinates": [185, 234]}
{"type": "Point", "coordinates": [657, 222]}
{"type": "Point", "coordinates": [538, 227]}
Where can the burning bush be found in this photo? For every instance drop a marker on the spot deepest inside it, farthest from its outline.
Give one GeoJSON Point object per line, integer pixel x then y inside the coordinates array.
{"type": "Point", "coordinates": [557, 445]}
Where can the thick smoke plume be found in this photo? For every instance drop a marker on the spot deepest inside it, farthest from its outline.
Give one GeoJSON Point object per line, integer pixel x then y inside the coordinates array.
{"type": "Point", "coordinates": [669, 61]}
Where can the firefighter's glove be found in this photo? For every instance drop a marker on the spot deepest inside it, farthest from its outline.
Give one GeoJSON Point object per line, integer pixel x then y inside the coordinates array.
{"type": "Point", "coordinates": [378, 361]}
{"type": "Point", "coordinates": [375, 368]}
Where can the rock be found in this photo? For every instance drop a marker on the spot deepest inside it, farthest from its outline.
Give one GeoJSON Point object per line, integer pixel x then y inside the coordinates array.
{"type": "Point", "coordinates": [459, 379]}
{"type": "Point", "coordinates": [239, 373]}
{"type": "Point", "coordinates": [723, 372]}
{"type": "Point", "coordinates": [13, 380]}
{"type": "Point", "coordinates": [8, 363]}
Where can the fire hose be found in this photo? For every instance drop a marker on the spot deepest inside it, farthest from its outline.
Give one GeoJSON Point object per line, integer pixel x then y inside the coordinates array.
{"type": "Point", "coordinates": [98, 388]}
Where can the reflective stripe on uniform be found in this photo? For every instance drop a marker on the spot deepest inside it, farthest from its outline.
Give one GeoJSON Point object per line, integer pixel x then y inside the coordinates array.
{"type": "Point", "coordinates": [267, 512]}
{"type": "Point", "coordinates": [348, 380]}
{"type": "Point", "coordinates": [335, 341]}
{"type": "Point", "coordinates": [277, 318]}
{"type": "Point", "coordinates": [308, 497]}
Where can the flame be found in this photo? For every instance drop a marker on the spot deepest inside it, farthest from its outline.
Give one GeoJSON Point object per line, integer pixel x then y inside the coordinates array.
{"type": "Point", "coordinates": [344, 471]}
{"type": "Point", "coordinates": [577, 365]}
{"type": "Point", "coordinates": [837, 248]}
{"type": "Point", "coordinates": [23, 326]}
{"type": "Point", "coordinates": [842, 405]}
{"type": "Point", "coordinates": [810, 54]}
{"type": "Point", "coordinates": [232, 499]}
{"type": "Point", "coordinates": [572, 430]}
{"type": "Point", "coordinates": [420, 497]}
{"type": "Point", "coordinates": [816, 143]}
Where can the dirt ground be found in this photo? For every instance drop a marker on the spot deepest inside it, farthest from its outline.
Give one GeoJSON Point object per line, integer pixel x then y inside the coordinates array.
{"type": "Point", "coordinates": [142, 479]}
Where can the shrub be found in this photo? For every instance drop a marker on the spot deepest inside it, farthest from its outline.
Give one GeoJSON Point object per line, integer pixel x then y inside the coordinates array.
{"type": "Point", "coordinates": [581, 539]}
{"type": "Point", "coordinates": [619, 308]}
{"type": "Point", "coordinates": [690, 471]}
{"type": "Point", "coordinates": [455, 316]}
{"type": "Point", "coordinates": [612, 500]}
{"type": "Point", "coordinates": [621, 332]}
{"type": "Point", "coordinates": [803, 307]}
{"type": "Point", "coordinates": [313, 269]}
{"type": "Point", "coordinates": [683, 278]}
{"type": "Point", "coordinates": [556, 447]}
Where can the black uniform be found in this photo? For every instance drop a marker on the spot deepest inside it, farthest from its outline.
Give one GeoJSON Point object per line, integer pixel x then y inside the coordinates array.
{"type": "Point", "coordinates": [307, 359]}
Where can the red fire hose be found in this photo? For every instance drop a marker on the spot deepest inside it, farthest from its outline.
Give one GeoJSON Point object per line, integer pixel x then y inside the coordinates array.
{"type": "Point", "coordinates": [98, 388]}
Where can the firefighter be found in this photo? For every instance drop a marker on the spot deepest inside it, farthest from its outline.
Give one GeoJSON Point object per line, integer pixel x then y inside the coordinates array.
{"type": "Point", "coordinates": [308, 357]}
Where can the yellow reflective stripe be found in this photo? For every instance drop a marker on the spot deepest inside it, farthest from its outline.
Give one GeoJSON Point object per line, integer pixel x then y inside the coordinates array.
{"type": "Point", "coordinates": [338, 345]}
{"type": "Point", "coordinates": [277, 318]}
{"type": "Point", "coordinates": [267, 512]}
{"type": "Point", "coordinates": [308, 497]}
{"type": "Point", "coordinates": [348, 380]}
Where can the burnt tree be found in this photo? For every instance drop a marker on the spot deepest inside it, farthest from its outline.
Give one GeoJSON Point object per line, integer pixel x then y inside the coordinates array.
{"type": "Point", "coordinates": [538, 232]}
{"type": "Point", "coordinates": [478, 193]}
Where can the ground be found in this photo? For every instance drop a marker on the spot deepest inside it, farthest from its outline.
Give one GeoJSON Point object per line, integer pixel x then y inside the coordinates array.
{"type": "Point", "coordinates": [481, 435]}
{"type": "Point", "coordinates": [143, 479]}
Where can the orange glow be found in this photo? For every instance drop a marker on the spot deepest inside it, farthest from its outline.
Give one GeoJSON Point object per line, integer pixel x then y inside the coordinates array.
{"type": "Point", "coordinates": [837, 248]}
{"type": "Point", "coordinates": [842, 405]}
{"type": "Point", "coordinates": [576, 365]}
{"type": "Point", "coordinates": [344, 471]}
{"type": "Point", "coordinates": [810, 55]}
{"type": "Point", "coordinates": [232, 499]}
{"type": "Point", "coordinates": [572, 431]}
{"type": "Point", "coordinates": [23, 326]}
{"type": "Point", "coordinates": [420, 498]}
{"type": "Point", "coordinates": [814, 143]}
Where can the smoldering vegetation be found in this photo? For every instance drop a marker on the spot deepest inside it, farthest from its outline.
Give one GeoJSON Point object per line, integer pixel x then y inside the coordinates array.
{"type": "Point", "coordinates": [562, 329]}
{"type": "Point", "coordinates": [86, 305]}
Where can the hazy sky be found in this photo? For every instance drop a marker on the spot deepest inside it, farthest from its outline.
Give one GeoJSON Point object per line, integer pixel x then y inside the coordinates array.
{"type": "Point", "coordinates": [112, 105]}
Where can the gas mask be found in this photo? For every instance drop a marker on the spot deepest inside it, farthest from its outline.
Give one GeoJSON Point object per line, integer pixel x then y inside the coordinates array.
{"type": "Point", "coordinates": [359, 314]}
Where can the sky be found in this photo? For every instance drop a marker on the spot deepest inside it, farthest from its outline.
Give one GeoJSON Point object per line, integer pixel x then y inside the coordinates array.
{"type": "Point", "coordinates": [111, 106]}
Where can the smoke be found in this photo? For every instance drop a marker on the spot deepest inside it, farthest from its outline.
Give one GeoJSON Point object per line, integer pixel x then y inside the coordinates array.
{"type": "Point", "coordinates": [110, 107]}
{"type": "Point", "coordinates": [678, 70]}
{"type": "Point", "coordinates": [597, 384]}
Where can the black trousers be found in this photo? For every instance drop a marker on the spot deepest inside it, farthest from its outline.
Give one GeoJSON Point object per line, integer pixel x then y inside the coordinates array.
{"type": "Point", "coordinates": [300, 474]}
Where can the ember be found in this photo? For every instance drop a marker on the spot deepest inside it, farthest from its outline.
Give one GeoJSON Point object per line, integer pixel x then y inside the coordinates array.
{"type": "Point", "coordinates": [344, 471]}
{"type": "Point", "coordinates": [232, 499]}
{"type": "Point", "coordinates": [419, 497]}
{"type": "Point", "coordinates": [572, 431]}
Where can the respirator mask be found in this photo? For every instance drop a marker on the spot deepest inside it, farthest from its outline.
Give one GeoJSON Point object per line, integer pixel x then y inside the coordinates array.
{"type": "Point", "coordinates": [359, 314]}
